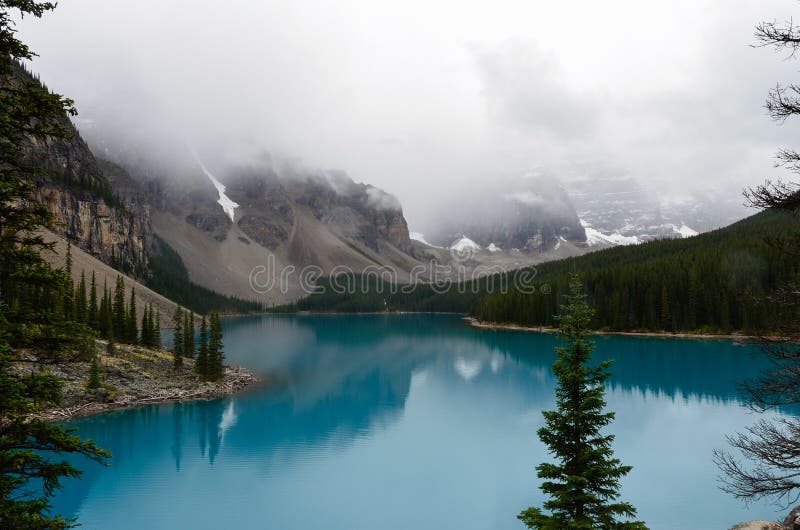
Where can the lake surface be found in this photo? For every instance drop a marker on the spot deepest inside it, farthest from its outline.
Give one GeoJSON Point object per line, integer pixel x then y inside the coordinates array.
{"type": "Point", "coordinates": [409, 422]}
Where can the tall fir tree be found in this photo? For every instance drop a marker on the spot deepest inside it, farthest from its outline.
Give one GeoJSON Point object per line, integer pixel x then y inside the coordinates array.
{"type": "Point", "coordinates": [583, 483]}
{"type": "Point", "coordinates": [131, 326]}
{"type": "Point", "coordinates": [188, 335]}
{"type": "Point", "coordinates": [81, 309]}
{"type": "Point", "coordinates": [192, 335]}
{"type": "Point", "coordinates": [105, 315]}
{"type": "Point", "coordinates": [216, 356]}
{"type": "Point", "coordinates": [149, 322]}
{"type": "Point", "coordinates": [92, 316]}
{"type": "Point", "coordinates": [151, 325]}
{"type": "Point", "coordinates": [157, 329]}
{"type": "Point", "coordinates": [119, 315]}
{"type": "Point", "coordinates": [177, 337]}
{"type": "Point", "coordinates": [145, 328]}
{"type": "Point", "coordinates": [94, 374]}
{"type": "Point", "coordinates": [111, 345]}
{"type": "Point", "coordinates": [201, 366]}
{"type": "Point", "coordinates": [69, 287]}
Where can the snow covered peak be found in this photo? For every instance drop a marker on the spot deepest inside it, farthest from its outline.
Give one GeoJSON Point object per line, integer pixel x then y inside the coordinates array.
{"type": "Point", "coordinates": [685, 231]}
{"type": "Point", "coordinates": [465, 244]}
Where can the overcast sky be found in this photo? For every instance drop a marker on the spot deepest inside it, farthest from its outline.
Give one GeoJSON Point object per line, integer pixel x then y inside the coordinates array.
{"type": "Point", "coordinates": [418, 96]}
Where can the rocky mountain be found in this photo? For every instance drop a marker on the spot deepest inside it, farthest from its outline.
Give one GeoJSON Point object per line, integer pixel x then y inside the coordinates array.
{"type": "Point", "coordinates": [364, 214]}
{"type": "Point", "coordinates": [531, 215]}
{"type": "Point", "coordinates": [87, 210]}
{"type": "Point", "coordinates": [263, 232]}
{"type": "Point", "coordinates": [254, 231]}
{"type": "Point", "coordinates": [616, 209]}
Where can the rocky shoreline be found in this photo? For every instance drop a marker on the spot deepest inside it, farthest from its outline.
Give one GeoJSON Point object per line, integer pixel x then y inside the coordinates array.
{"type": "Point", "coordinates": [792, 522]}
{"type": "Point", "coordinates": [132, 377]}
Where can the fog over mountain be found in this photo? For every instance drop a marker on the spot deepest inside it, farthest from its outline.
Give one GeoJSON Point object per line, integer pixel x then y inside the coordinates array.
{"type": "Point", "coordinates": [422, 100]}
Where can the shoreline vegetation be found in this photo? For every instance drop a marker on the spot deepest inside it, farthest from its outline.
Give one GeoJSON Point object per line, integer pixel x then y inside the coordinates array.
{"type": "Point", "coordinates": [474, 322]}
{"type": "Point", "coordinates": [131, 377]}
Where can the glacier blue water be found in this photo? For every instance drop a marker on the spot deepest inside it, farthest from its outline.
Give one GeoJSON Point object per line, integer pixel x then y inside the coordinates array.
{"type": "Point", "coordinates": [409, 422]}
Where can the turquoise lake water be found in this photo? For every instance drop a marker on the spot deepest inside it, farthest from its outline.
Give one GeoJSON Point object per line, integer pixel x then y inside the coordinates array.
{"type": "Point", "coordinates": [409, 422]}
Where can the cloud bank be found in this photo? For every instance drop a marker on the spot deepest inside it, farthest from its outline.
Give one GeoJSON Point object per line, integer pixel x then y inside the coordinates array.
{"type": "Point", "coordinates": [422, 98]}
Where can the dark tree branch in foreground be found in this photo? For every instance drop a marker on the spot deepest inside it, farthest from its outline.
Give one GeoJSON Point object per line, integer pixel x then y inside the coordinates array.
{"type": "Point", "coordinates": [780, 195]}
{"type": "Point", "coordinates": [769, 461]}
{"type": "Point", "coordinates": [767, 464]}
{"type": "Point", "coordinates": [784, 36]}
{"type": "Point", "coordinates": [783, 102]}
{"type": "Point", "coordinates": [774, 447]}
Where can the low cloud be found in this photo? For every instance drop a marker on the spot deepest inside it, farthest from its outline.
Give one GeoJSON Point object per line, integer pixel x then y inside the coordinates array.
{"type": "Point", "coordinates": [424, 100]}
{"type": "Point", "coordinates": [524, 87]}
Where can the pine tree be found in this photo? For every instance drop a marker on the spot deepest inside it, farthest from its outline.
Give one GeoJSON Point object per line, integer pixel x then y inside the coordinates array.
{"type": "Point", "coordinates": [131, 327]}
{"type": "Point", "coordinates": [188, 335]}
{"type": "Point", "coordinates": [177, 338]}
{"type": "Point", "coordinates": [215, 352]}
{"type": "Point", "coordinates": [69, 286]}
{"type": "Point", "coordinates": [157, 330]}
{"type": "Point", "coordinates": [146, 339]}
{"type": "Point", "coordinates": [68, 261]}
{"type": "Point", "coordinates": [583, 484]}
{"type": "Point", "coordinates": [119, 315]}
{"type": "Point", "coordinates": [111, 345]}
{"type": "Point", "coordinates": [201, 366]}
{"type": "Point", "coordinates": [105, 314]}
{"type": "Point", "coordinates": [94, 375]}
{"type": "Point", "coordinates": [92, 317]}
{"type": "Point", "coordinates": [81, 312]}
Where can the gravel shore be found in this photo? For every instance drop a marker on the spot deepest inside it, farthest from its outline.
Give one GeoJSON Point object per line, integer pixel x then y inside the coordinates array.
{"type": "Point", "coordinates": [134, 376]}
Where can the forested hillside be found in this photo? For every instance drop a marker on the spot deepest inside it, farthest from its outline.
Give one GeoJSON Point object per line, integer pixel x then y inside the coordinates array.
{"type": "Point", "coordinates": [704, 283]}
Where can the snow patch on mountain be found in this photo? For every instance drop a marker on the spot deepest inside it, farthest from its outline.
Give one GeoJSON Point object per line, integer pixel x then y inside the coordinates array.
{"type": "Point", "coordinates": [464, 244]}
{"type": "Point", "coordinates": [493, 248]}
{"type": "Point", "coordinates": [596, 237]}
{"type": "Point", "coordinates": [228, 205]}
{"type": "Point", "coordinates": [419, 236]}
